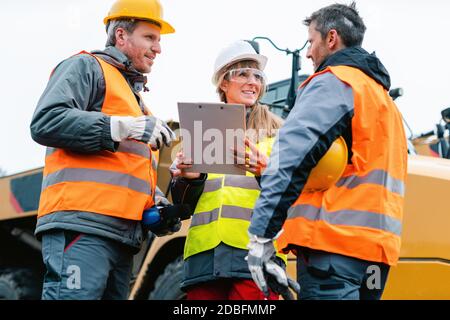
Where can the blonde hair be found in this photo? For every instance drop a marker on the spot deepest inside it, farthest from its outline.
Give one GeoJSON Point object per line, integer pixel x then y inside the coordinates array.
{"type": "Point", "coordinates": [261, 121]}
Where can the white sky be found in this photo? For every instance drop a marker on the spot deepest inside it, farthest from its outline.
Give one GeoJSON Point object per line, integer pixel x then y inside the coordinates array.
{"type": "Point", "coordinates": [409, 36]}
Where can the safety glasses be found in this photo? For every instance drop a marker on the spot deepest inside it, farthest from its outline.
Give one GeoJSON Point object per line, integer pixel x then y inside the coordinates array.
{"type": "Point", "coordinates": [246, 75]}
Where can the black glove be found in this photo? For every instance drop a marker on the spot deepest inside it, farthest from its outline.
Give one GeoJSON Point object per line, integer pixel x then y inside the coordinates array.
{"type": "Point", "coordinates": [166, 229]}
{"type": "Point", "coordinates": [170, 219]}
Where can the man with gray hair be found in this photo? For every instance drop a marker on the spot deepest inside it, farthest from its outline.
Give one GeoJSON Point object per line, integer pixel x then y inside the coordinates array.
{"type": "Point", "coordinates": [100, 165]}
{"type": "Point", "coordinates": [347, 236]}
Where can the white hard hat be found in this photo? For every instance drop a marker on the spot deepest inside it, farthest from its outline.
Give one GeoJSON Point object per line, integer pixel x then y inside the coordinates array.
{"type": "Point", "coordinates": [237, 51]}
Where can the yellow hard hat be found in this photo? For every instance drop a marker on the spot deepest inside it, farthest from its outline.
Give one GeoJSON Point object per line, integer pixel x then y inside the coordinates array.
{"type": "Point", "coordinates": [139, 9]}
{"type": "Point", "coordinates": [329, 169]}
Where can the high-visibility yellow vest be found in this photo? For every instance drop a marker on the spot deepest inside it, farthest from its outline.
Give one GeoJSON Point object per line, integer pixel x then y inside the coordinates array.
{"type": "Point", "coordinates": [224, 210]}
{"type": "Point", "coordinates": [119, 184]}
{"type": "Point", "coordinates": [361, 215]}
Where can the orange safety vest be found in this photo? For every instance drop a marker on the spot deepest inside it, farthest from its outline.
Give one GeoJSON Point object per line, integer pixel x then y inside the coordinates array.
{"type": "Point", "coordinates": [361, 215]}
{"type": "Point", "coordinates": [119, 184]}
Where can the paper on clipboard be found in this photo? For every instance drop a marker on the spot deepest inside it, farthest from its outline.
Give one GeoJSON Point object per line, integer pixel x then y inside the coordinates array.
{"type": "Point", "coordinates": [208, 131]}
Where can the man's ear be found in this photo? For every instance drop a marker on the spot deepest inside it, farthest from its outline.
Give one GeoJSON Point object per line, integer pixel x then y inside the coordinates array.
{"type": "Point", "coordinates": [333, 40]}
{"type": "Point", "coordinates": [120, 36]}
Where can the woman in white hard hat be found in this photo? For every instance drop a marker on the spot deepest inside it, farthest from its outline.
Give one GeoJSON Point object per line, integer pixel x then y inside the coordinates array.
{"type": "Point", "coordinates": [215, 249]}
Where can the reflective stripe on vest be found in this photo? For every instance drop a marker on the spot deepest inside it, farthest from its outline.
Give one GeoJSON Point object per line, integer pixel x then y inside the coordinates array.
{"type": "Point", "coordinates": [100, 176]}
{"type": "Point", "coordinates": [138, 149]}
{"type": "Point", "coordinates": [348, 218]}
{"type": "Point", "coordinates": [120, 184]}
{"type": "Point", "coordinates": [231, 181]}
{"type": "Point", "coordinates": [245, 182]}
{"type": "Point", "coordinates": [127, 146]}
{"type": "Point", "coordinates": [361, 215]}
{"type": "Point", "coordinates": [379, 177]}
{"type": "Point", "coordinates": [232, 212]}
{"type": "Point", "coordinates": [212, 185]}
{"type": "Point", "coordinates": [203, 218]}
{"type": "Point", "coordinates": [154, 163]}
{"type": "Point", "coordinates": [223, 212]}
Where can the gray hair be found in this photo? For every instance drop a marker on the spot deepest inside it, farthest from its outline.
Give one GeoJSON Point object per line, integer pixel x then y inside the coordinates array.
{"type": "Point", "coordinates": [127, 24]}
{"type": "Point", "coordinates": [342, 18]}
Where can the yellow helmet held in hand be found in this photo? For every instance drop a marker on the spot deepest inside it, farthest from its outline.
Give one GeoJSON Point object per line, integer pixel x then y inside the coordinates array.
{"type": "Point", "coordinates": [139, 9]}
{"type": "Point", "coordinates": [329, 169]}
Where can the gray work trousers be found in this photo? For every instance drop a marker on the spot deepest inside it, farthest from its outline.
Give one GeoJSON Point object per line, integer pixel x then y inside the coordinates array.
{"type": "Point", "coordinates": [328, 276]}
{"type": "Point", "coordinates": [85, 267]}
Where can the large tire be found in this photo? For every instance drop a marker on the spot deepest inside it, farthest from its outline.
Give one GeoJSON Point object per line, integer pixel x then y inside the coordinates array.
{"type": "Point", "coordinates": [167, 285]}
{"type": "Point", "coordinates": [19, 284]}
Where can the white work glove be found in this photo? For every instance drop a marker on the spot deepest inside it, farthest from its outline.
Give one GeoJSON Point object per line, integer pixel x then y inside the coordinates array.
{"type": "Point", "coordinates": [148, 129]}
{"type": "Point", "coordinates": [261, 263]}
{"type": "Point", "coordinates": [160, 134]}
{"type": "Point", "coordinates": [260, 252]}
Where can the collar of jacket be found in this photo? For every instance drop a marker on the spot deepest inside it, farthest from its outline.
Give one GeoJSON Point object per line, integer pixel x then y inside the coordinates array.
{"type": "Point", "coordinates": [118, 59]}
{"type": "Point", "coordinates": [359, 58]}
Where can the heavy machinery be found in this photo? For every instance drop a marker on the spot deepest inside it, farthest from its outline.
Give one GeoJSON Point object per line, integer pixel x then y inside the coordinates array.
{"type": "Point", "coordinates": [21, 266]}
{"type": "Point", "coordinates": [435, 143]}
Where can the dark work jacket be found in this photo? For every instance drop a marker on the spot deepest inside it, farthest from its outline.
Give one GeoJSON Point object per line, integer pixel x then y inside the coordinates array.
{"type": "Point", "coordinates": [75, 95]}
{"type": "Point", "coordinates": [323, 111]}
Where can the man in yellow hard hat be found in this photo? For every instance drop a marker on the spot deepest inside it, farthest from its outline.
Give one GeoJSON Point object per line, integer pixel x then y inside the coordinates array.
{"type": "Point", "coordinates": [100, 165]}
{"type": "Point", "coordinates": [347, 236]}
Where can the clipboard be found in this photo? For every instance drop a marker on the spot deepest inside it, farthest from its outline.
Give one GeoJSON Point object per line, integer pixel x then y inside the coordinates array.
{"type": "Point", "coordinates": [208, 131]}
